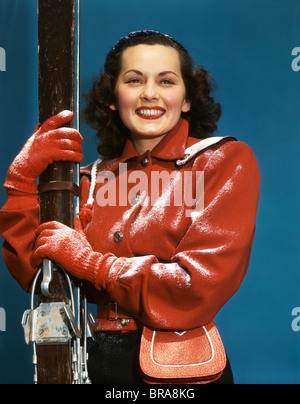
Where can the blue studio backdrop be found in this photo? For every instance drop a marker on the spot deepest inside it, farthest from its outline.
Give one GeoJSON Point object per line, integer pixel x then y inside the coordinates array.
{"type": "Point", "coordinates": [252, 48]}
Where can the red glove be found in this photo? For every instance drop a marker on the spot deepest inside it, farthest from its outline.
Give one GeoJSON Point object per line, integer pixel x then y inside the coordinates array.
{"type": "Point", "coordinates": [68, 248]}
{"type": "Point", "coordinates": [48, 144]}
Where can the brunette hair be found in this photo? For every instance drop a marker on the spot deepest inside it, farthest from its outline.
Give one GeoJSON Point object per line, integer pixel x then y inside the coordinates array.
{"type": "Point", "coordinates": [111, 132]}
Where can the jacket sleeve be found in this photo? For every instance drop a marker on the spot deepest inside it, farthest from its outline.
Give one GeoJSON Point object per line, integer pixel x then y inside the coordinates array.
{"type": "Point", "coordinates": [19, 219]}
{"type": "Point", "coordinates": [211, 260]}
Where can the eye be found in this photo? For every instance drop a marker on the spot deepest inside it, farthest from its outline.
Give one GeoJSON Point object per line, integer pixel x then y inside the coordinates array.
{"type": "Point", "coordinates": [167, 82]}
{"type": "Point", "coordinates": [133, 81]}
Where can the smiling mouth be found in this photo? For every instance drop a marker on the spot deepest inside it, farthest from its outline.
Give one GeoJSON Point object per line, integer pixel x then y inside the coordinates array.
{"type": "Point", "coordinates": [150, 113]}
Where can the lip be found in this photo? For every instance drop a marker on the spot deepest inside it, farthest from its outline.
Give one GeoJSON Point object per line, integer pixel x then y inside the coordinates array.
{"type": "Point", "coordinates": [150, 117]}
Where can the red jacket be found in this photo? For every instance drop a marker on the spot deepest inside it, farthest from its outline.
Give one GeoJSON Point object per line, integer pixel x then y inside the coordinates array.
{"type": "Point", "coordinates": [166, 266]}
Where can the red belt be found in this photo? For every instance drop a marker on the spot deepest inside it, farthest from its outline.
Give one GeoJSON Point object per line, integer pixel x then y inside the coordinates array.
{"type": "Point", "coordinates": [111, 318]}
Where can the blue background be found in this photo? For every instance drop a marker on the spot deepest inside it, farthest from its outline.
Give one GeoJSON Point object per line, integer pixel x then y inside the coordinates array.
{"type": "Point", "coordinates": [247, 46]}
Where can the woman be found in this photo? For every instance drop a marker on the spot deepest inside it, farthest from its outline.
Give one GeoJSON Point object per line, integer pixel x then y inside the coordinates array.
{"type": "Point", "coordinates": [166, 224]}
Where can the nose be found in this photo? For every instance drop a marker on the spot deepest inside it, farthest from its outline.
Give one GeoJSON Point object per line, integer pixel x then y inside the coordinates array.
{"type": "Point", "coordinates": [149, 92]}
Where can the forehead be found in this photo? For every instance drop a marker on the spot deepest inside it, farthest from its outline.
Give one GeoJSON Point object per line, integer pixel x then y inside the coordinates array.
{"type": "Point", "coordinates": [147, 57]}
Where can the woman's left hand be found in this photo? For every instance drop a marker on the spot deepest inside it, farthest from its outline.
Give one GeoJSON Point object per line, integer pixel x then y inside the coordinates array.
{"type": "Point", "coordinates": [67, 247]}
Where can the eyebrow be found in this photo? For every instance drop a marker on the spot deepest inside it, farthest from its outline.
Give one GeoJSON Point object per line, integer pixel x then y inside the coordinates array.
{"type": "Point", "coordinates": [164, 73]}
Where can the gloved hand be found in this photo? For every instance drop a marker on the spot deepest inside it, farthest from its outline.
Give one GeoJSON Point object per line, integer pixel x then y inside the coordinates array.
{"type": "Point", "coordinates": [68, 248]}
{"type": "Point", "coordinates": [48, 144]}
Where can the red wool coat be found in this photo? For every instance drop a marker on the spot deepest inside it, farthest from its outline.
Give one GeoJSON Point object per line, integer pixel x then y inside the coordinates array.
{"type": "Point", "coordinates": [167, 263]}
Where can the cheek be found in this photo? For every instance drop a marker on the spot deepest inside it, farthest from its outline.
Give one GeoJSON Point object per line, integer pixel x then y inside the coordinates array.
{"type": "Point", "coordinates": [126, 99]}
{"type": "Point", "coordinates": [175, 100]}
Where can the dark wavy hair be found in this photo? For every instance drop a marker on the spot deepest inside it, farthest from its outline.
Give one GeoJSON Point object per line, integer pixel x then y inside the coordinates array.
{"type": "Point", "coordinates": [111, 132]}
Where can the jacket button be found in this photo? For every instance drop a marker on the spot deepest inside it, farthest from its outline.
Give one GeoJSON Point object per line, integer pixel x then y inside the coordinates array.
{"type": "Point", "coordinates": [145, 161]}
{"type": "Point", "coordinates": [135, 199]}
{"type": "Point", "coordinates": [124, 322]}
{"type": "Point", "coordinates": [118, 237]}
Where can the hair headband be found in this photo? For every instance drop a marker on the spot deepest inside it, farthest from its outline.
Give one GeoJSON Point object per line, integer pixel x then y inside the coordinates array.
{"type": "Point", "coordinates": [140, 34]}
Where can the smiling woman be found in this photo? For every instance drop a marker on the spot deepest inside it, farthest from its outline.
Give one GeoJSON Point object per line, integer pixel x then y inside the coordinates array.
{"type": "Point", "coordinates": [150, 93]}
{"type": "Point", "coordinates": [171, 71]}
{"type": "Point", "coordinates": [169, 264]}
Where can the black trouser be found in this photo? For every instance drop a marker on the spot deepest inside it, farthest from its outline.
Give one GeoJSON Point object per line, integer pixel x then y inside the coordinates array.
{"type": "Point", "coordinates": [114, 359]}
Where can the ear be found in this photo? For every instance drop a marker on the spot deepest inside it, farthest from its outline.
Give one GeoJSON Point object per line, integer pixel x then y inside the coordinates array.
{"type": "Point", "coordinates": [186, 106]}
{"type": "Point", "coordinates": [113, 107]}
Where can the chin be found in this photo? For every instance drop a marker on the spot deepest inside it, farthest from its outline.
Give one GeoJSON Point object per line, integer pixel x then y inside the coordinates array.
{"type": "Point", "coordinates": [147, 134]}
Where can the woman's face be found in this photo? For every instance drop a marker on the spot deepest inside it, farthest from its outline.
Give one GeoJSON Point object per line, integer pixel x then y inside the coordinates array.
{"type": "Point", "coordinates": [150, 91]}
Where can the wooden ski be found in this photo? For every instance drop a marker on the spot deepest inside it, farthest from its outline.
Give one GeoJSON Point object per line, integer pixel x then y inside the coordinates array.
{"type": "Point", "coordinates": [57, 25]}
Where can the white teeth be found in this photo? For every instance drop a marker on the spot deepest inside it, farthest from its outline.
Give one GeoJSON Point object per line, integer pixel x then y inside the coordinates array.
{"type": "Point", "coordinates": [150, 112]}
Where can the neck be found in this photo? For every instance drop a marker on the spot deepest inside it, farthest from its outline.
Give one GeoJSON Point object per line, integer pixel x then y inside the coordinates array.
{"type": "Point", "coordinates": [144, 144]}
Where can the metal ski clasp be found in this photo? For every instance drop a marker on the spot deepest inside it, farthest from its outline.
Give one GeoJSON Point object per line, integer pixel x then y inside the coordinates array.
{"type": "Point", "coordinates": [47, 277]}
{"type": "Point", "coordinates": [50, 323]}
{"type": "Point", "coordinates": [54, 323]}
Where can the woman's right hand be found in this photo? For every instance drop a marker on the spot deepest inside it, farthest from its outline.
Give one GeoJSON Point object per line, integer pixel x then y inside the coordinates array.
{"type": "Point", "coordinates": [48, 144]}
